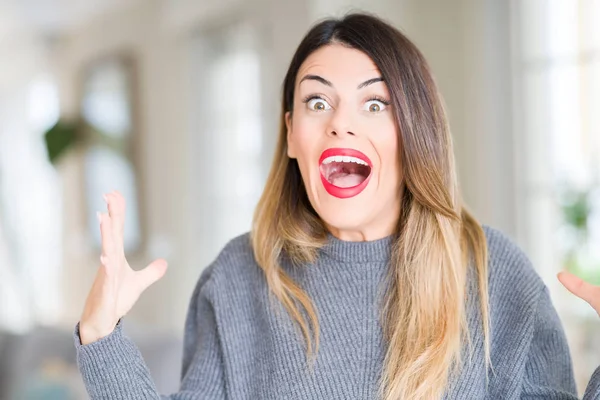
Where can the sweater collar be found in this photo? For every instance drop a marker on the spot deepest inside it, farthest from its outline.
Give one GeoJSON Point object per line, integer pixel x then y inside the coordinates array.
{"type": "Point", "coordinates": [378, 250]}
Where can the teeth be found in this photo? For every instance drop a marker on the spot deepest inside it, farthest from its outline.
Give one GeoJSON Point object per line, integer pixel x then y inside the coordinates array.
{"type": "Point", "coordinates": [331, 159]}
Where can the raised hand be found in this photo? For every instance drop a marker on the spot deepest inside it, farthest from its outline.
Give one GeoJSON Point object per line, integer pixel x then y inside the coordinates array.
{"type": "Point", "coordinates": [581, 289]}
{"type": "Point", "coordinates": [116, 287]}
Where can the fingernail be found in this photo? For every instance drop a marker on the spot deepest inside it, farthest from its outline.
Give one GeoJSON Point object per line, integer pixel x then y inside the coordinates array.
{"type": "Point", "coordinates": [99, 216]}
{"type": "Point", "coordinates": [103, 259]}
{"type": "Point", "coordinates": [105, 198]}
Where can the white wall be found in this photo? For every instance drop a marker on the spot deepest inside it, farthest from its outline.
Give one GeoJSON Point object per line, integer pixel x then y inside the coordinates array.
{"type": "Point", "coordinates": [467, 45]}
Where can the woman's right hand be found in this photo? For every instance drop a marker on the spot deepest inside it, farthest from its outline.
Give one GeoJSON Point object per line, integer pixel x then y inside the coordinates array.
{"type": "Point", "coordinates": [116, 287]}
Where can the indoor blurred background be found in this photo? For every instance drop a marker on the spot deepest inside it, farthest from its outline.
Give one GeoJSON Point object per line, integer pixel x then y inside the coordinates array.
{"type": "Point", "coordinates": [176, 104]}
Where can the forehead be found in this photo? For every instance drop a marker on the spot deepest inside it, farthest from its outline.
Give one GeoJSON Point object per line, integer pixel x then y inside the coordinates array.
{"type": "Point", "coordinates": [336, 62]}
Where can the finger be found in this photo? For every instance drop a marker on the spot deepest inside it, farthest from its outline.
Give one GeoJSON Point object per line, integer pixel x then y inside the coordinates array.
{"type": "Point", "coordinates": [581, 289]}
{"type": "Point", "coordinates": [115, 203]}
{"type": "Point", "coordinates": [108, 248]}
{"type": "Point", "coordinates": [151, 274]}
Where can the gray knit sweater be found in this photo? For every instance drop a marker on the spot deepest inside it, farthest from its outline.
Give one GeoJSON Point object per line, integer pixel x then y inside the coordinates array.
{"type": "Point", "coordinates": [239, 344]}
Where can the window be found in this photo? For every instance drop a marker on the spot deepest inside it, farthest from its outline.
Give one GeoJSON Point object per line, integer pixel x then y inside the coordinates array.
{"type": "Point", "coordinates": [30, 208]}
{"type": "Point", "coordinates": [560, 83]}
{"type": "Point", "coordinates": [227, 149]}
{"type": "Point", "coordinates": [107, 104]}
{"type": "Point", "coordinates": [558, 127]}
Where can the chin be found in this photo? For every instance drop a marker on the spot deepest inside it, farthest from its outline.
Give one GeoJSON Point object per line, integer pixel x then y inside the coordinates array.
{"type": "Point", "coordinates": [346, 217]}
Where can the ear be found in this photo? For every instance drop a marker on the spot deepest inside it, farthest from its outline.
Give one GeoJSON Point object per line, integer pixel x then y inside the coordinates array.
{"type": "Point", "coordinates": [291, 148]}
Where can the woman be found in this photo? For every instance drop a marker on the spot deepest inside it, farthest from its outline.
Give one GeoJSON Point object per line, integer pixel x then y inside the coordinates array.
{"type": "Point", "coordinates": [363, 276]}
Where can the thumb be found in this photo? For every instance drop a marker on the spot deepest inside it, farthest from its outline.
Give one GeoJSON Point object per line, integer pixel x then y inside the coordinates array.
{"type": "Point", "coordinates": [581, 289]}
{"type": "Point", "coordinates": [152, 273]}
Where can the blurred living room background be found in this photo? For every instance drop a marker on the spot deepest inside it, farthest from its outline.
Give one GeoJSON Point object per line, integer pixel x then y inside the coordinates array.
{"type": "Point", "coordinates": [176, 104]}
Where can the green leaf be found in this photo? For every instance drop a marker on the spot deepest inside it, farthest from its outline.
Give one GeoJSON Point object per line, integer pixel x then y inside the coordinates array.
{"type": "Point", "coordinates": [61, 137]}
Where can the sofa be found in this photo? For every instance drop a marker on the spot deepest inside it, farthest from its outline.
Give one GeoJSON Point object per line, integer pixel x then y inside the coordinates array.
{"type": "Point", "coordinates": [41, 364]}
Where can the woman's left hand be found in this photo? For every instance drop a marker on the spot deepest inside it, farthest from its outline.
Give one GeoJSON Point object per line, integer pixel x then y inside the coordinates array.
{"type": "Point", "coordinates": [581, 289]}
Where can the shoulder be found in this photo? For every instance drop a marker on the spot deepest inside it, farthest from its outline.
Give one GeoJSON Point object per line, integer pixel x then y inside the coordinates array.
{"type": "Point", "coordinates": [235, 254]}
{"type": "Point", "coordinates": [512, 277]}
{"type": "Point", "coordinates": [233, 265]}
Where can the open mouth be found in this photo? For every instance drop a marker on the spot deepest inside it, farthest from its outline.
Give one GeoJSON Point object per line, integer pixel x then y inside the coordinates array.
{"type": "Point", "coordinates": [344, 172]}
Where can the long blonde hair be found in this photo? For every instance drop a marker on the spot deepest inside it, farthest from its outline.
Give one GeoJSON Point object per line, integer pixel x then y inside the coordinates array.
{"type": "Point", "coordinates": [424, 312]}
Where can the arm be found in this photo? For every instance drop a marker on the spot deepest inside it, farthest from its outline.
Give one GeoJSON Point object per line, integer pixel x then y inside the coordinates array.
{"type": "Point", "coordinates": [113, 367]}
{"type": "Point", "coordinates": [549, 371]}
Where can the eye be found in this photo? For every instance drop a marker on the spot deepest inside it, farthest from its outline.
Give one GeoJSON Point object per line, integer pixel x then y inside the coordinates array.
{"type": "Point", "coordinates": [317, 104]}
{"type": "Point", "coordinates": [375, 105]}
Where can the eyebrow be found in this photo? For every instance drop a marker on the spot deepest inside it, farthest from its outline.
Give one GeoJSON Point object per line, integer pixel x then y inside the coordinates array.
{"type": "Point", "coordinates": [327, 83]}
{"type": "Point", "coordinates": [370, 82]}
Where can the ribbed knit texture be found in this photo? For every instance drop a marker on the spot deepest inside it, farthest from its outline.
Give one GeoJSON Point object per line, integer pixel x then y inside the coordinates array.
{"type": "Point", "coordinates": [240, 344]}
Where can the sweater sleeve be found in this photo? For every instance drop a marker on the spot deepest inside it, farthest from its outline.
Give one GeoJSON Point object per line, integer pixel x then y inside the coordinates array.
{"type": "Point", "coordinates": [113, 367]}
{"type": "Point", "coordinates": [549, 370]}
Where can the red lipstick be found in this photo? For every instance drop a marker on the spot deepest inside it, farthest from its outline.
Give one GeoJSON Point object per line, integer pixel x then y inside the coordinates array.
{"type": "Point", "coordinates": [358, 162]}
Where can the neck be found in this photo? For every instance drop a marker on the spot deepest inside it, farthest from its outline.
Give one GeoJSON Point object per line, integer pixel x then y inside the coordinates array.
{"type": "Point", "coordinates": [383, 227]}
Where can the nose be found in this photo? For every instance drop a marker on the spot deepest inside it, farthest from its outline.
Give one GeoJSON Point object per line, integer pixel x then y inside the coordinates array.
{"type": "Point", "coordinates": [340, 123]}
